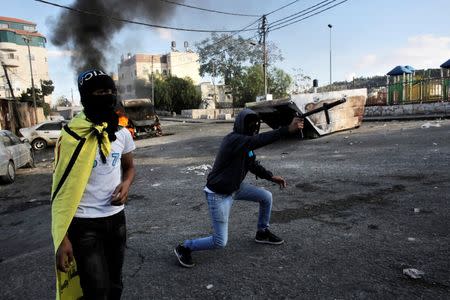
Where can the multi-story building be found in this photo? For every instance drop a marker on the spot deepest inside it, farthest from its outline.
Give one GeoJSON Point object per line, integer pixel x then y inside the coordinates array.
{"type": "Point", "coordinates": [141, 66]}
{"type": "Point", "coordinates": [15, 36]}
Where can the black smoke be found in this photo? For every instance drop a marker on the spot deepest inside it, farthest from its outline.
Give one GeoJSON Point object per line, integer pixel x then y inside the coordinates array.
{"type": "Point", "coordinates": [89, 37]}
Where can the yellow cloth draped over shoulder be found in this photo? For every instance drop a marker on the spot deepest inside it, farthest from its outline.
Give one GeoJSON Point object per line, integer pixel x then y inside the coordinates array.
{"type": "Point", "coordinates": [75, 153]}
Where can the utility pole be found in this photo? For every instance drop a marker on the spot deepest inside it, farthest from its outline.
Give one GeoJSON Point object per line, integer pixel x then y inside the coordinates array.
{"type": "Point", "coordinates": [9, 82]}
{"type": "Point", "coordinates": [33, 92]}
{"type": "Point", "coordinates": [263, 35]}
{"type": "Point", "coordinates": [153, 85]}
{"type": "Point", "coordinates": [330, 26]}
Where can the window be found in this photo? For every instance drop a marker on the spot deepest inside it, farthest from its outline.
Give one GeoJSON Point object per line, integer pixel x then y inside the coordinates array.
{"type": "Point", "coordinates": [50, 126]}
{"type": "Point", "coordinates": [29, 28]}
{"type": "Point", "coordinates": [129, 88]}
{"type": "Point", "coordinates": [4, 26]}
{"type": "Point", "coordinates": [32, 57]}
{"type": "Point", "coordinates": [10, 55]}
{"type": "Point", "coordinates": [15, 140]}
{"type": "Point", "coordinates": [45, 59]}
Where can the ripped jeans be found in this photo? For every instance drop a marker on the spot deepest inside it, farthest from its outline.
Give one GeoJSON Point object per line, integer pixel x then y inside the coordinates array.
{"type": "Point", "coordinates": [219, 210]}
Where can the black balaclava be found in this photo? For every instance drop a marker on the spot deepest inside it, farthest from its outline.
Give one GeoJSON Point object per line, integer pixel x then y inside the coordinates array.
{"type": "Point", "coordinates": [251, 124]}
{"type": "Point", "coordinates": [99, 108]}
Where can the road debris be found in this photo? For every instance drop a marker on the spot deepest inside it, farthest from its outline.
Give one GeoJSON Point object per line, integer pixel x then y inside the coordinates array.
{"type": "Point", "coordinates": [209, 286]}
{"type": "Point", "coordinates": [198, 170]}
{"type": "Point", "coordinates": [413, 273]}
{"type": "Point", "coordinates": [416, 210]}
{"type": "Point", "coordinates": [156, 184]}
{"type": "Point", "coordinates": [411, 239]}
{"type": "Point", "coordinates": [430, 124]}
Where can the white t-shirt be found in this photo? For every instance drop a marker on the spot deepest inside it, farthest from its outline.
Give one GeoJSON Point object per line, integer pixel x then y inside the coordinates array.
{"type": "Point", "coordinates": [96, 200]}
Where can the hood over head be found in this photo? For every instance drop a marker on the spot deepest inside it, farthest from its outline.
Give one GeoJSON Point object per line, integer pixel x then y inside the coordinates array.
{"type": "Point", "coordinates": [242, 121]}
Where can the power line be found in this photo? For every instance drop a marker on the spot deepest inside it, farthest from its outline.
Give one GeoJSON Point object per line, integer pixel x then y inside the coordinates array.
{"type": "Point", "coordinates": [280, 8]}
{"type": "Point", "coordinates": [136, 22]}
{"type": "Point", "coordinates": [307, 17]}
{"type": "Point", "coordinates": [210, 10]}
{"type": "Point", "coordinates": [302, 12]}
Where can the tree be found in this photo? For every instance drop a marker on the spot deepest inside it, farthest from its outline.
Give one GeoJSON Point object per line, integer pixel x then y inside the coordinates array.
{"type": "Point", "coordinates": [301, 82]}
{"type": "Point", "coordinates": [279, 83]}
{"type": "Point", "coordinates": [175, 94]}
{"type": "Point", "coordinates": [227, 56]}
{"type": "Point", "coordinates": [63, 101]}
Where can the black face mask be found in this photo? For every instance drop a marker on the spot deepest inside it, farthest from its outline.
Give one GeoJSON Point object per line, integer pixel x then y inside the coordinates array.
{"type": "Point", "coordinates": [101, 108]}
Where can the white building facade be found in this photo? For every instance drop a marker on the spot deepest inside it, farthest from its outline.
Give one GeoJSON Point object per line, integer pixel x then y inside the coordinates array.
{"type": "Point", "coordinates": [15, 34]}
{"type": "Point", "coordinates": [141, 66]}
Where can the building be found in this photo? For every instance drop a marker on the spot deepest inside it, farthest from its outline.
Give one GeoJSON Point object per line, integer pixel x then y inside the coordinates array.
{"type": "Point", "coordinates": [215, 96]}
{"type": "Point", "coordinates": [141, 66]}
{"type": "Point", "coordinates": [15, 34]}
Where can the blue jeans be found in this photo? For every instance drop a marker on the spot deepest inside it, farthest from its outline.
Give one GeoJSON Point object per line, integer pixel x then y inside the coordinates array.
{"type": "Point", "coordinates": [219, 209]}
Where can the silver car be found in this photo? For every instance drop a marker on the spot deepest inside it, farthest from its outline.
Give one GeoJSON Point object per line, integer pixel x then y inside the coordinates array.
{"type": "Point", "coordinates": [43, 134]}
{"type": "Point", "coordinates": [14, 154]}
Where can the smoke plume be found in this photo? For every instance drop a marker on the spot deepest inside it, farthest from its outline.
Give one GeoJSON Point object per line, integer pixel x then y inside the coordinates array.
{"type": "Point", "coordinates": [89, 37]}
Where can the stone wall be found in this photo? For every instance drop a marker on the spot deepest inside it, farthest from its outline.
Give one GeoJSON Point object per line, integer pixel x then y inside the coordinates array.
{"type": "Point", "coordinates": [437, 108]}
{"type": "Point", "coordinates": [210, 113]}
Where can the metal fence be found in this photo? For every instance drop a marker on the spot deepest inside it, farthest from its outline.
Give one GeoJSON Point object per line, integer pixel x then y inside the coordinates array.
{"type": "Point", "coordinates": [411, 91]}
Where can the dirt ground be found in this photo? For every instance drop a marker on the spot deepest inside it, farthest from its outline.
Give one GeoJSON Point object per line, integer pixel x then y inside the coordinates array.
{"type": "Point", "coordinates": [360, 207]}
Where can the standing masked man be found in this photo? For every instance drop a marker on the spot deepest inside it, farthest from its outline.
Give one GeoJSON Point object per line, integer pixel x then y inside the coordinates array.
{"type": "Point", "coordinates": [92, 177]}
{"type": "Point", "coordinates": [225, 184]}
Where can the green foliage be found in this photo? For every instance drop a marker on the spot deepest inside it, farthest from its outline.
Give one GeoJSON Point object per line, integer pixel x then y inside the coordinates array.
{"type": "Point", "coordinates": [63, 101]}
{"type": "Point", "coordinates": [227, 56]}
{"type": "Point", "coordinates": [279, 83]}
{"type": "Point", "coordinates": [175, 94]}
{"type": "Point", "coordinates": [45, 90]}
{"type": "Point", "coordinates": [251, 84]}
{"type": "Point", "coordinates": [47, 87]}
{"type": "Point", "coordinates": [356, 83]}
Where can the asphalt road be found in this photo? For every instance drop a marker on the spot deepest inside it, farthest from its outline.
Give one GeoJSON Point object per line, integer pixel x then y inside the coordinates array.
{"type": "Point", "coordinates": [360, 207]}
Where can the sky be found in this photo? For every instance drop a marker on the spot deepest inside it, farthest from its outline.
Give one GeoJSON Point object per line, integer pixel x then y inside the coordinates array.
{"type": "Point", "coordinates": [368, 37]}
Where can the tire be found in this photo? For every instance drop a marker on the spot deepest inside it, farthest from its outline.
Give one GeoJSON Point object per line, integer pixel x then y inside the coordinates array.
{"type": "Point", "coordinates": [39, 144]}
{"type": "Point", "coordinates": [10, 173]}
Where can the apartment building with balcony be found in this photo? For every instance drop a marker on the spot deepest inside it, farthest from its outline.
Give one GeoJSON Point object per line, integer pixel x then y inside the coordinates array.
{"type": "Point", "coordinates": [15, 34]}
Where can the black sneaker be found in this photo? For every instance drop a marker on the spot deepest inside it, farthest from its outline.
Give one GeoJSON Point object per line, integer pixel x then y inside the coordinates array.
{"type": "Point", "coordinates": [267, 237]}
{"type": "Point", "coordinates": [184, 256]}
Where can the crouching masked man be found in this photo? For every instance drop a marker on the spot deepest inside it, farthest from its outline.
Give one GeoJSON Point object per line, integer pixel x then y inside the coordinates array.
{"type": "Point", "coordinates": [225, 184]}
{"type": "Point", "coordinates": [92, 176]}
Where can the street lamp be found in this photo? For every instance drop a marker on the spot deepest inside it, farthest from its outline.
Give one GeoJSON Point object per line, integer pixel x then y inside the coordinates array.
{"type": "Point", "coordinates": [330, 26]}
{"type": "Point", "coordinates": [27, 41]}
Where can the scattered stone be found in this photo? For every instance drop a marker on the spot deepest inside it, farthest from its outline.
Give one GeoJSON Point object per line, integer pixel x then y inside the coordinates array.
{"type": "Point", "coordinates": [346, 137]}
{"type": "Point", "coordinates": [429, 124]}
{"type": "Point", "coordinates": [411, 239]}
{"type": "Point", "coordinates": [372, 226]}
{"type": "Point", "coordinates": [32, 200]}
{"type": "Point", "coordinates": [209, 286]}
{"type": "Point", "coordinates": [413, 273]}
{"type": "Point", "coordinates": [416, 210]}
{"type": "Point", "coordinates": [156, 184]}
{"type": "Point", "coordinates": [435, 144]}
{"type": "Point", "coordinates": [350, 143]}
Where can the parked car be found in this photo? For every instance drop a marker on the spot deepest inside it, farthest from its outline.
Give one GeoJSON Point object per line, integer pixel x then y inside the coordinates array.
{"type": "Point", "coordinates": [43, 134]}
{"type": "Point", "coordinates": [14, 154]}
